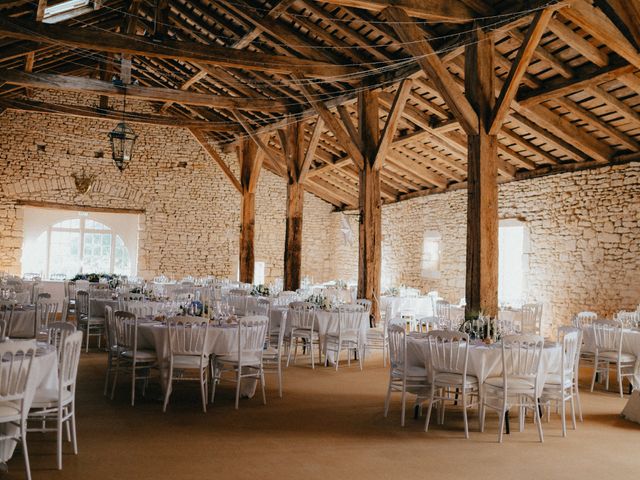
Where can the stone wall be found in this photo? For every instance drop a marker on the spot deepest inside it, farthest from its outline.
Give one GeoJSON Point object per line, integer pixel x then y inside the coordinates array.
{"type": "Point", "coordinates": [583, 246]}
{"type": "Point", "coordinates": [191, 214]}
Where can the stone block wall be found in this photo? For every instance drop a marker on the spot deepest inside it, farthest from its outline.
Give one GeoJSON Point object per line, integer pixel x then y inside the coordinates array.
{"type": "Point", "coordinates": [191, 214]}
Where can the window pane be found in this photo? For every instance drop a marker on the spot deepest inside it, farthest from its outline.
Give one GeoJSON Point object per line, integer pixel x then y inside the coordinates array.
{"type": "Point", "coordinates": [97, 253]}
{"type": "Point", "coordinates": [72, 223]}
{"type": "Point", "coordinates": [65, 253]}
{"type": "Point", "coordinates": [511, 271]}
{"type": "Point", "coordinates": [93, 225]}
{"type": "Point", "coordinates": [121, 264]}
{"type": "Point", "coordinates": [34, 256]}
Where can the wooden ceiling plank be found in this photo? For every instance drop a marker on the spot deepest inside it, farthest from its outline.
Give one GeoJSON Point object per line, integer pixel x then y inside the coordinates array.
{"type": "Point", "coordinates": [311, 149]}
{"type": "Point", "coordinates": [519, 68]}
{"type": "Point", "coordinates": [578, 43]}
{"type": "Point", "coordinates": [450, 11]}
{"type": "Point", "coordinates": [419, 47]}
{"type": "Point", "coordinates": [594, 21]}
{"type": "Point", "coordinates": [393, 118]}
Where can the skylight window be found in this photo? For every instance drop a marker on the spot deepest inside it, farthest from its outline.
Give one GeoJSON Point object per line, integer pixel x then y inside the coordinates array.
{"type": "Point", "coordinates": [66, 10]}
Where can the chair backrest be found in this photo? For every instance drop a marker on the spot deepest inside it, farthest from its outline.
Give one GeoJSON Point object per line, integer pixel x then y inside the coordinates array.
{"type": "Point", "coordinates": [366, 303]}
{"type": "Point", "coordinates": [607, 335]}
{"type": "Point", "coordinates": [251, 334]}
{"type": "Point", "coordinates": [448, 351]}
{"type": "Point", "coordinates": [188, 335]}
{"type": "Point", "coordinates": [302, 315]}
{"type": "Point", "coordinates": [64, 316]}
{"type": "Point", "coordinates": [44, 295]}
{"type": "Point", "coordinates": [69, 362]}
{"type": "Point", "coordinates": [584, 319]}
{"type": "Point", "coordinates": [397, 348]}
{"type": "Point", "coordinates": [109, 328]}
{"type": "Point", "coordinates": [17, 360]}
{"type": "Point", "coordinates": [82, 304]}
{"type": "Point", "coordinates": [628, 319]}
{"type": "Point", "coordinates": [57, 332]}
{"type": "Point", "coordinates": [443, 311]}
{"type": "Point", "coordinates": [6, 313]}
{"type": "Point", "coordinates": [138, 308]}
{"type": "Point", "coordinates": [238, 303]}
{"type": "Point", "coordinates": [531, 318]}
{"type": "Point", "coordinates": [281, 330]}
{"type": "Point", "coordinates": [262, 308]}
{"type": "Point", "coordinates": [350, 318]}
{"type": "Point", "coordinates": [45, 313]}
{"type": "Point", "coordinates": [126, 330]}
{"type": "Point", "coordinates": [570, 337]}
{"type": "Point", "coordinates": [522, 356]}
{"type": "Point", "coordinates": [239, 292]}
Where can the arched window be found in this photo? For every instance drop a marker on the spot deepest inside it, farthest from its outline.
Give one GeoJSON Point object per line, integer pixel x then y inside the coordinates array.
{"type": "Point", "coordinates": [77, 245]}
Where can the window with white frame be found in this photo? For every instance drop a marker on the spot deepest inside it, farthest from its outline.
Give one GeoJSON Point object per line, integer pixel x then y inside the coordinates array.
{"type": "Point", "coordinates": [64, 243]}
{"type": "Point", "coordinates": [512, 238]}
{"type": "Point", "coordinates": [430, 263]}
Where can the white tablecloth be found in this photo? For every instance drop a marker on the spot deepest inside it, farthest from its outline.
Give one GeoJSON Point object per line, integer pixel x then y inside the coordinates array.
{"type": "Point", "coordinates": [221, 341]}
{"type": "Point", "coordinates": [326, 322]}
{"type": "Point", "coordinates": [630, 344]}
{"type": "Point", "coordinates": [484, 360]}
{"type": "Point", "coordinates": [44, 375]}
{"type": "Point", "coordinates": [419, 306]}
{"type": "Point", "coordinates": [96, 306]}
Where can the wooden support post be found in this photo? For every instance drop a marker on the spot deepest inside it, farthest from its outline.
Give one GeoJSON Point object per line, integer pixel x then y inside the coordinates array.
{"type": "Point", "coordinates": [370, 203]}
{"type": "Point", "coordinates": [482, 205]}
{"type": "Point", "coordinates": [250, 159]}
{"type": "Point", "coordinates": [294, 153]}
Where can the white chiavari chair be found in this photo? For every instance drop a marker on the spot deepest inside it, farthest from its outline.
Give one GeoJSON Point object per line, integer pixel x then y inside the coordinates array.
{"type": "Point", "coordinates": [449, 358]}
{"type": "Point", "coordinates": [560, 386]}
{"type": "Point", "coordinates": [302, 318]}
{"type": "Point", "coordinates": [131, 359]}
{"type": "Point", "coordinates": [17, 361]}
{"type": "Point", "coordinates": [350, 320]}
{"type": "Point", "coordinates": [92, 326]}
{"type": "Point", "coordinates": [188, 355]}
{"type": "Point", "coordinates": [518, 384]}
{"type": "Point", "coordinates": [45, 312]}
{"type": "Point", "coordinates": [272, 356]}
{"type": "Point", "coordinates": [57, 332]}
{"type": "Point", "coordinates": [403, 378]}
{"type": "Point", "coordinates": [58, 405]}
{"type": "Point", "coordinates": [378, 337]}
{"type": "Point", "coordinates": [246, 361]}
{"type": "Point", "coordinates": [531, 319]}
{"type": "Point", "coordinates": [608, 341]}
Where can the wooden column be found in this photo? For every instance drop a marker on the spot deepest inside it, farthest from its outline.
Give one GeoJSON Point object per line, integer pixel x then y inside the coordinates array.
{"type": "Point", "coordinates": [370, 203]}
{"type": "Point", "coordinates": [482, 204]}
{"type": "Point", "coordinates": [293, 147]}
{"type": "Point", "coordinates": [250, 159]}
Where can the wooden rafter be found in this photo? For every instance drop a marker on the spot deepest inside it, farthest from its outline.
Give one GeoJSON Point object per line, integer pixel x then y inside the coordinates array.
{"type": "Point", "coordinates": [451, 11]}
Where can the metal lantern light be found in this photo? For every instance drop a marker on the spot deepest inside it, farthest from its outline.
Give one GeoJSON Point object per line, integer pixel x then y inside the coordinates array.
{"type": "Point", "coordinates": [122, 139]}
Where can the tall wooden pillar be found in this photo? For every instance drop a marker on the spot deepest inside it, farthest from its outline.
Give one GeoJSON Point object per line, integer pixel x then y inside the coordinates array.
{"type": "Point", "coordinates": [482, 204]}
{"type": "Point", "coordinates": [293, 147]}
{"type": "Point", "coordinates": [250, 159]}
{"type": "Point", "coordinates": [370, 203]}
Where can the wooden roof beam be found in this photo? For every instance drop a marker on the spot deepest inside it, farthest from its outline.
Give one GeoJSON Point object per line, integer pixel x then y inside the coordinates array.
{"type": "Point", "coordinates": [97, 39]}
{"type": "Point", "coordinates": [414, 39]}
{"type": "Point", "coordinates": [100, 87]}
{"type": "Point", "coordinates": [450, 11]}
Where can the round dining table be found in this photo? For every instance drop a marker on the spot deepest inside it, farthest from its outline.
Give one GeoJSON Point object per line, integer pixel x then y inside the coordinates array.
{"type": "Point", "coordinates": [221, 340]}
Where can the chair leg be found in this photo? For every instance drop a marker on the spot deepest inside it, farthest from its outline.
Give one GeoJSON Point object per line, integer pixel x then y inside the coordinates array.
{"type": "Point", "coordinates": [579, 404]}
{"type": "Point", "coordinates": [563, 412]}
{"type": "Point", "coordinates": [264, 395]}
{"type": "Point", "coordinates": [203, 389]}
{"type": "Point", "coordinates": [573, 409]}
{"type": "Point", "coordinates": [86, 350]}
{"type": "Point", "coordinates": [313, 365]}
{"type": "Point", "coordinates": [536, 414]}
{"type": "Point", "coordinates": [279, 378]}
{"type": "Point", "coordinates": [426, 423]}
{"type": "Point", "coordinates": [620, 380]}
{"type": "Point", "coordinates": [595, 372]}
{"type": "Point", "coordinates": [115, 378]}
{"type": "Point", "coordinates": [106, 380]}
{"type": "Point", "coordinates": [59, 439]}
{"type": "Point", "coordinates": [74, 433]}
{"type": "Point", "coordinates": [167, 391]}
{"type": "Point", "coordinates": [238, 387]}
{"type": "Point", "coordinates": [387, 399]}
{"type": "Point", "coordinates": [360, 356]}
{"type": "Point", "coordinates": [25, 452]}
{"type": "Point", "coordinates": [404, 399]}
{"type": "Point", "coordinates": [464, 412]}
{"type": "Point", "coordinates": [503, 414]}
{"type": "Point", "coordinates": [133, 385]}
{"type": "Point", "coordinates": [214, 381]}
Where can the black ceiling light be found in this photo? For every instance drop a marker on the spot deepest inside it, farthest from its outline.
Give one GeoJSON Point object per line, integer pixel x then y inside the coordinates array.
{"type": "Point", "coordinates": [122, 138]}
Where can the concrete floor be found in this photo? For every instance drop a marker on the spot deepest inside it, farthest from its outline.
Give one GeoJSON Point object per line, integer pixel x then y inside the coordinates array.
{"type": "Point", "coordinates": [328, 425]}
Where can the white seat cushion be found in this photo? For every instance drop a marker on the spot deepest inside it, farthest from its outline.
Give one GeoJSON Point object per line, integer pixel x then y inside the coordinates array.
{"type": "Point", "coordinates": [188, 361]}
{"type": "Point", "coordinates": [250, 358]}
{"type": "Point", "coordinates": [454, 379]}
{"type": "Point", "coordinates": [416, 372]}
{"type": "Point", "coordinates": [555, 379]}
{"type": "Point", "coordinates": [48, 397]}
{"type": "Point", "coordinates": [9, 410]}
{"type": "Point", "coordinates": [94, 320]}
{"type": "Point", "coordinates": [141, 355]}
{"type": "Point", "coordinates": [613, 356]}
{"type": "Point", "coordinates": [513, 383]}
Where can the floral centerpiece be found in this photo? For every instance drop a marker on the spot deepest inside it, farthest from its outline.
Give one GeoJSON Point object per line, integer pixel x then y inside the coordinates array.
{"type": "Point", "coordinates": [112, 279]}
{"type": "Point", "coordinates": [320, 301]}
{"type": "Point", "coordinates": [340, 284]}
{"type": "Point", "coordinates": [479, 326]}
{"type": "Point", "coordinates": [392, 292]}
{"type": "Point", "coordinates": [260, 291]}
